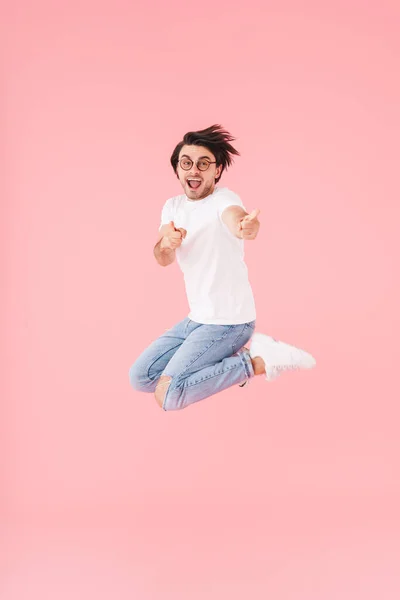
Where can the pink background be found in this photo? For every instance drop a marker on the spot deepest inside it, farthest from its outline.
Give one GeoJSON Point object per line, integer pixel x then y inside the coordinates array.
{"type": "Point", "coordinates": [288, 490]}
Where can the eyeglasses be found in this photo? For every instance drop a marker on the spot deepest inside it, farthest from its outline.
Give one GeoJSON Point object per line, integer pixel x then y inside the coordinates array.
{"type": "Point", "coordinates": [202, 164]}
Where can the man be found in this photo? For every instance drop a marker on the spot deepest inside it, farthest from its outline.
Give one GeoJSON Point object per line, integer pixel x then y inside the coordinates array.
{"type": "Point", "coordinates": [205, 229]}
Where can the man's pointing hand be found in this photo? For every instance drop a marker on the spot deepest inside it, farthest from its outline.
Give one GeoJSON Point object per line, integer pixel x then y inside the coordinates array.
{"type": "Point", "coordinates": [173, 237]}
{"type": "Point", "coordinates": [249, 225]}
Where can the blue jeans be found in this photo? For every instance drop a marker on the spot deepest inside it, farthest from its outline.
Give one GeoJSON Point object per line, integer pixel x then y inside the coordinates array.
{"type": "Point", "coordinates": [201, 360]}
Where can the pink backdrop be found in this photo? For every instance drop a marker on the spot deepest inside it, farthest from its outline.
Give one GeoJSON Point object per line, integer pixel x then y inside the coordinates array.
{"type": "Point", "coordinates": [287, 490]}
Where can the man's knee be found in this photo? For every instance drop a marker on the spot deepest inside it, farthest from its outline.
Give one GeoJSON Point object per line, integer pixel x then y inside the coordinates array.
{"type": "Point", "coordinates": [138, 378]}
{"type": "Point", "coordinates": [161, 389]}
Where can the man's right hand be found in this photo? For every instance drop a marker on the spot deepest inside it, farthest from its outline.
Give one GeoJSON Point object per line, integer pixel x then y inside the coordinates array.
{"type": "Point", "coordinates": [173, 237]}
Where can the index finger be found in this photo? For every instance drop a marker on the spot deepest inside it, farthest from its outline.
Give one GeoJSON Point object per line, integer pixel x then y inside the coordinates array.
{"type": "Point", "coordinates": [183, 232]}
{"type": "Point", "coordinates": [253, 215]}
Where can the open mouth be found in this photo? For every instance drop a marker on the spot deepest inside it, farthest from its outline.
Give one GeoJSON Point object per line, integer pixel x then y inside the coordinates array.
{"type": "Point", "coordinates": [194, 183]}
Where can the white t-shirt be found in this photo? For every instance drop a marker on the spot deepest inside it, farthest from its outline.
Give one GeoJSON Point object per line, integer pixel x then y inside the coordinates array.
{"type": "Point", "coordinates": [211, 259]}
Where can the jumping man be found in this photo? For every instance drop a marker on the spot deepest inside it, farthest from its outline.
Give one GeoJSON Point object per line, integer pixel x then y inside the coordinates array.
{"type": "Point", "coordinates": [204, 229]}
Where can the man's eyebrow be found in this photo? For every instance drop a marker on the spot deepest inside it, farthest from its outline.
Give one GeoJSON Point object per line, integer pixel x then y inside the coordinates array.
{"type": "Point", "coordinates": [187, 156]}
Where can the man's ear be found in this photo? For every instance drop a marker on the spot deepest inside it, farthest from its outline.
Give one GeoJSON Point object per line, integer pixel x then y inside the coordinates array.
{"type": "Point", "coordinates": [218, 171]}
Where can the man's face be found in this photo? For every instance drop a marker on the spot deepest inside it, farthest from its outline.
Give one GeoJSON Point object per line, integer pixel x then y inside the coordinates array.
{"type": "Point", "coordinates": [196, 190]}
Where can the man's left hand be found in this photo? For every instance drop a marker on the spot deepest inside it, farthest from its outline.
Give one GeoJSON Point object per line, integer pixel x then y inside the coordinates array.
{"type": "Point", "coordinates": [249, 225]}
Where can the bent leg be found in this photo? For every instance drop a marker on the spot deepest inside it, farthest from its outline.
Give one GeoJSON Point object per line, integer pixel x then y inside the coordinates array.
{"type": "Point", "coordinates": [148, 367]}
{"type": "Point", "coordinates": [211, 359]}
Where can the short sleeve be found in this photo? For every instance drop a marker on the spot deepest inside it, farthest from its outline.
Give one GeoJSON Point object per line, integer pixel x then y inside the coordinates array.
{"type": "Point", "coordinates": [228, 198]}
{"type": "Point", "coordinates": [166, 214]}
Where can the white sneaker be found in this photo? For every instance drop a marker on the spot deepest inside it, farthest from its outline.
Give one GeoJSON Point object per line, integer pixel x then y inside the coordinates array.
{"type": "Point", "coordinates": [279, 356]}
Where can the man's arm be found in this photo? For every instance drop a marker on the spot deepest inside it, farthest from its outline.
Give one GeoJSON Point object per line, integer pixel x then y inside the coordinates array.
{"type": "Point", "coordinates": [232, 216]}
{"type": "Point", "coordinates": [164, 256]}
{"type": "Point", "coordinates": [240, 223]}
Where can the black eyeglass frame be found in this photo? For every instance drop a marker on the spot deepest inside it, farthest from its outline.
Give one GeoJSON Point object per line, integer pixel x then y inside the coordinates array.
{"type": "Point", "coordinates": [210, 162]}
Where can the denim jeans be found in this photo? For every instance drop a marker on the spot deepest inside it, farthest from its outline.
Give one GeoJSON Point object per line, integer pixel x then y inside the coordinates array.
{"type": "Point", "coordinates": [201, 360]}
